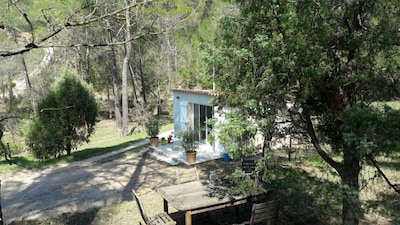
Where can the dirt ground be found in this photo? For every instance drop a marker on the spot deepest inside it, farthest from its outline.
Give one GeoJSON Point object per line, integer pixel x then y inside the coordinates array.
{"type": "Point", "coordinates": [100, 182]}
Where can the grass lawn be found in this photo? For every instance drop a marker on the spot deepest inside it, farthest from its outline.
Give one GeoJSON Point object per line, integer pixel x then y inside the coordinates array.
{"type": "Point", "coordinates": [105, 139]}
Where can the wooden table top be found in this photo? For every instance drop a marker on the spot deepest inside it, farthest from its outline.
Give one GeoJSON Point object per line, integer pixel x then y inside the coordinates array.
{"type": "Point", "coordinates": [197, 195]}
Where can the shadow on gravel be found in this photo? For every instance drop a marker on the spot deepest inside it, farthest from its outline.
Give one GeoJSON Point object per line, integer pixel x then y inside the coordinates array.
{"type": "Point", "coordinates": [149, 174]}
{"type": "Point", "coordinates": [65, 219]}
{"type": "Point", "coordinates": [136, 176]}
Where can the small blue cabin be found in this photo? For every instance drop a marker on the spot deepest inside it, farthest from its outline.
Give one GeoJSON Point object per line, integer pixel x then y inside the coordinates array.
{"type": "Point", "coordinates": [193, 109]}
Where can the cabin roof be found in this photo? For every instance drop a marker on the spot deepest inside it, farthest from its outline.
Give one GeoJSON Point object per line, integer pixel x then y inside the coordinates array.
{"type": "Point", "coordinates": [195, 91]}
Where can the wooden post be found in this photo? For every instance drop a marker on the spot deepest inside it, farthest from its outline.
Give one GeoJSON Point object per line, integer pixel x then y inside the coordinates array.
{"type": "Point", "coordinates": [166, 206]}
{"type": "Point", "coordinates": [188, 217]}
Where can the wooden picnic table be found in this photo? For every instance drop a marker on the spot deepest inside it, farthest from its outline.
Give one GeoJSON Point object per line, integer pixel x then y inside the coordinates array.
{"type": "Point", "coordinates": [199, 196]}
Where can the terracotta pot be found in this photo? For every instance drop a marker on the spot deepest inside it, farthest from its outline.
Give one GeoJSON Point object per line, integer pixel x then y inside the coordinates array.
{"type": "Point", "coordinates": [154, 142]}
{"type": "Point", "coordinates": [191, 157]}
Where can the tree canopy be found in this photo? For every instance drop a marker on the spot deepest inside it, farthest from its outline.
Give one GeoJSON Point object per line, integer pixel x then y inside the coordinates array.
{"type": "Point", "coordinates": [323, 66]}
{"type": "Point", "coordinates": [66, 117]}
{"type": "Point", "coordinates": [93, 37]}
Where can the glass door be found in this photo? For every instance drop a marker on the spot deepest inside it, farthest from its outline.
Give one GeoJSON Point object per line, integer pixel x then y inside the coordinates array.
{"type": "Point", "coordinates": [201, 115]}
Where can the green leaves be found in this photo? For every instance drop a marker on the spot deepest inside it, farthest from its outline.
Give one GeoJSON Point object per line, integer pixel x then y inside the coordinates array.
{"type": "Point", "coordinates": [370, 130]}
{"type": "Point", "coordinates": [67, 116]}
{"type": "Point", "coordinates": [332, 58]}
{"type": "Point", "coordinates": [236, 134]}
{"type": "Point", "coordinates": [153, 127]}
{"type": "Point", "coordinates": [190, 140]}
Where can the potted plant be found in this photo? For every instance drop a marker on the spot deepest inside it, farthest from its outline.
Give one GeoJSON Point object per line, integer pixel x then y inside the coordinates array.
{"type": "Point", "coordinates": [152, 129]}
{"type": "Point", "coordinates": [190, 143]}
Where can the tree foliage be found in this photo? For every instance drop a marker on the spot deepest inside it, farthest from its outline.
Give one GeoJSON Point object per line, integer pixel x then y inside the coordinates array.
{"type": "Point", "coordinates": [323, 65]}
{"type": "Point", "coordinates": [66, 117]}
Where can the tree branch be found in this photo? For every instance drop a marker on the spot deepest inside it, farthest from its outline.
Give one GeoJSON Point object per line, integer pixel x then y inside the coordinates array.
{"type": "Point", "coordinates": [27, 20]}
{"type": "Point", "coordinates": [68, 23]}
{"type": "Point", "coordinates": [395, 187]}
{"type": "Point", "coordinates": [311, 132]}
{"type": "Point", "coordinates": [59, 108]}
{"type": "Point", "coordinates": [10, 117]}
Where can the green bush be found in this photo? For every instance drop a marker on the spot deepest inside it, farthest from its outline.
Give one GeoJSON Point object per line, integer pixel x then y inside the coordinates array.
{"type": "Point", "coordinates": [66, 117]}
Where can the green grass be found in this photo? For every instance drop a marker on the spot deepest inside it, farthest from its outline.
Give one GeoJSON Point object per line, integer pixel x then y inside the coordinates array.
{"type": "Point", "coordinates": [315, 159]}
{"type": "Point", "coordinates": [105, 139]}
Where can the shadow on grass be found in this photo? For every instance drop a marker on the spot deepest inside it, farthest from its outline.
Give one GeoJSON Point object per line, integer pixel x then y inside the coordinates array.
{"type": "Point", "coordinates": [91, 152]}
{"type": "Point", "coordinates": [391, 206]}
{"type": "Point", "coordinates": [304, 199]}
{"type": "Point", "coordinates": [392, 165]}
{"type": "Point", "coordinates": [28, 162]}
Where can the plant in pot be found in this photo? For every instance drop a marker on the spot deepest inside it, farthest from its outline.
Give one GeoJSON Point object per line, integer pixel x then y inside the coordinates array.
{"type": "Point", "coordinates": [152, 129]}
{"type": "Point", "coordinates": [190, 144]}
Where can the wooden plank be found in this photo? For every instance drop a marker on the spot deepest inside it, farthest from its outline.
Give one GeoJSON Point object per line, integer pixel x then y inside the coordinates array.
{"type": "Point", "coordinates": [197, 195]}
{"type": "Point", "coordinates": [220, 206]}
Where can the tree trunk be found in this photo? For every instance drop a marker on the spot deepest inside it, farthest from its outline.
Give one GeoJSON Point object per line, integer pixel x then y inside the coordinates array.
{"type": "Point", "coordinates": [1, 211]}
{"type": "Point", "coordinates": [117, 101]}
{"type": "Point", "coordinates": [267, 142]}
{"type": "Point", "coordinates": [351, 210]}
{"type": "Point", "coordinates": [134, 95]}
{"type": "Point", "coordinates": [117, 105]}
{"type": "Point", "coordinates": [7, 154]}
{"type": "Point", "coordinates": [68, 148]}
{"type": "Point", "coordinates": [29, 85]}
{"type": "Point", "coordinates": [10, 106]}
{"type": "Point", "coordinates": [86, 74]}
{"type": "Point", "coordinates": [142, 76]}
{"type": "Point", "coordinates": [125, 68]}
{"type": "Point", "coordinates": [349, 172]}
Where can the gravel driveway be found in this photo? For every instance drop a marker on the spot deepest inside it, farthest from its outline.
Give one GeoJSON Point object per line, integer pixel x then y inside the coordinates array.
{"type": "Point", "coordinates": [78, 186]}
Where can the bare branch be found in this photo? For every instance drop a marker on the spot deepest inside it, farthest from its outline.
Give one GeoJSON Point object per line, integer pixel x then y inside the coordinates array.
{"type": "Point", "coordinates": [184, 19]}
{"type": "Point", "coordinates": [10, 117]}
{"type": "Point", "coordinates": [395, 187]}
{"type": "Point", "coordinates": [57, 109]}
{"type": "Point", "coordinates": [27, 20]}
{"type": "Point", "coordinates": [66, 25]}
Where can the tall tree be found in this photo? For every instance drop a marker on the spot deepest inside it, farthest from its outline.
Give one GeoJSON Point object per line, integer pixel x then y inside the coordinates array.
{"type": "Point", "coordinates": [331, 61]}
{"type": "Point", "coordinates": [125, 70]}
{"type": "Point", "coordinates": [114, 80]}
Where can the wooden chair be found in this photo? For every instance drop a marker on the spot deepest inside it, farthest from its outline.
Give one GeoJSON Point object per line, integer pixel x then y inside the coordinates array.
{"type": "Point", "coordinates": [263, 213]}
{"type": "Point", "coordinates": [187, 175]}
{"type": "Point", "coordinates": [158, 219]}
{"type": "Point", "coordinates": [249, 164]}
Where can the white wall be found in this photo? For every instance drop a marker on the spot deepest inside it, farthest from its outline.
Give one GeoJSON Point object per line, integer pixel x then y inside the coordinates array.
{"type": "Point", "coordinates": [183, 99]}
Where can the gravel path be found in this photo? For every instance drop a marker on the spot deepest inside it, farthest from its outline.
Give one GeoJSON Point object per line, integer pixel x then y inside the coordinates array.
{"type": "Point", "coordinates": [78, 186]}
